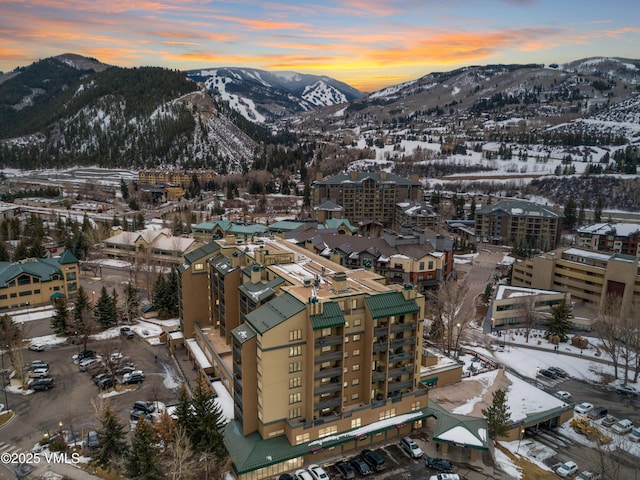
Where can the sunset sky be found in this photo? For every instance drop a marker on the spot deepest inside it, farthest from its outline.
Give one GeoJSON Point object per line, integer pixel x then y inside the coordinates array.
{"type": "Point", "coordinates": [368, 44]}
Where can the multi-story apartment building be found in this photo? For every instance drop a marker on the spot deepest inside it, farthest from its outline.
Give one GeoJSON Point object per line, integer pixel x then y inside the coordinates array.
{"type": "Point", "coordinates": [519, 223]}
{"type": "Point", "coordinates": [181, 178]}
{"type": "Point", "coordinates": [316, 359]}
{"type": "Point", "coordinates": [38, 281]}
{"type": "Point", "coordinates": [587, 275]}
{"type": "Point", "coordinates": [418, 214]}
{"type": "Point", "coordinates": [419, 257]}
{"type": "Point", "coordinates": [610, 237]}
{"type": "Point", "coordinates": [367, 197]}
{"type": "Point", "coordinates": [509, 304]}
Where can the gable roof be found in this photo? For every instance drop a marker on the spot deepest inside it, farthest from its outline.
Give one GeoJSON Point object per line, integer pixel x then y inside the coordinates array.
{"type": "Point", "coordinates": [359, 177]}
{"type": "Point", "coordinates": [67, 258]}
{"type": "Point", "coordinates": [520, 208]}
{"type": "Point", "coordinates": [43, 268]}
{"type": "Point", "coordinates": [331, 316]}
{"type": "Point", "coordinates": [391, 303]}
{"type": "Point", "coordinates": [275, 312]}
{"type": "Point", "coordinates": [201, 252]}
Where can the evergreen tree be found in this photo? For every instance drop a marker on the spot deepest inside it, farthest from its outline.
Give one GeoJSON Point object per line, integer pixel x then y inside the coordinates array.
{"type": "Point", "coordinates": [306, 195]}
{"type": "Point", "coordinates": [183, 411]}
{"type": "Point", "coordinates": [37, 250]}
{"type": "Point", "coordinates": [104, 310]}
{"type": "Point", "coordinates": [570, 212]}
{"type": "Point", "coordinates": [172, 294]}
{"type": "Point", "coordinates": [559, 322]}
{"type": "Point", "coordinates": [124, 189]}
{"type": "Point", "coordinates": [131, 301]}
{"type": "Point", "coordinates": [142, 462]}
{"type": "Point", "coordinates": [498, 415]}
{"type": "Point", "coordinates": [597, 212]}
{"type": "Point", "coordinates": [4, 253]}
{"type": "Point", "coordinates": [21, 252]}
{"type": "Point", "coordinates": [112, 445]}
{"type": "Point", "coordinates": [60, 318]}
{"type": "Point", "coordinates": [159, 294]}
{"type": "Point", "coordinates": [208, 422]}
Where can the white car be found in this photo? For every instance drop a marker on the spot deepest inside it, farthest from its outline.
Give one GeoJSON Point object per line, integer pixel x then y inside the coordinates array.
{"type": "Point", "coordinates": [583, 408]}
{"type": "Point", "coordinates": [303, 475]}
{"type": "Point", "coordinates": [317, 472]}
{"type": "Point", "coordinates": [36, 347]}
{"type": "Point", "coordinates": [622, 427]}
{"type": "Point", "coordinates": [39, 372]}
{"type": "Point", "coordinates": [563, 394]}
{"type": "Point", "coordinates": [634, 436]}
{"type": "Point", "coordinates": [567, 469]}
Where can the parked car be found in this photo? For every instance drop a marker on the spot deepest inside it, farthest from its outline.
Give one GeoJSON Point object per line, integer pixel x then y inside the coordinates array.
{"type": "Point", "coordinates": [597, 413]}
{"type": "Point", "coordinates": [374, 459]}
{"type": "Point", "coordinates": [583, 408]}
{"type": "Point", "coordinates": [39, 372]}
{"type": "Point", "coordinates": [622, 427]}
{"type": "Point", "coordinates": [445, 476]}
{"type": "Point", "coordinates": [286, 476]}
{"type": "Point", "coordinates": [563, 394]}
{"type": "Point", "coordinates": [608, 421]}
{"type": "Point", "coordinates": [86, 363]}
{"type": "Point", "coordinates": [410, 447]}
{"type": "Point", "coordinates": [588, 476]}
{"type": "Point", "coordinates": [92, 440]}
{"type": "Point", "coordinates": [107, 382]}
{"type": "Point", "coordinates": [567, 469]}
{"type": "Point", "coordinates": [127, 332]}
{"type": "Point", "coordinates": [634, 436]}
{"type": "Point", "coordinates": [302, 474]}
{"type": "Point", "coordinates": [82, 355]}
{"type": "Point", "coordinates": [627, 390]}
{"type": "Point", "coordinates": [39, 364]}
{"type": "Point", "coordinates": [317, 472]}
{"type": "Point", "coordinates": [43, 383]}
{"type": "Point", "coordinates": [440, 464]}
{"type": "Point", "coordinates": [143, 406]}
{"type": "Point", "coordinates": [136, 415]}
{"type": "Point", "coordinates": [345, 470]}
{"type": "Point", "coordinates": [36, 347]}
{"type": "Point", "coordinates": [558, 371]}
{"type": "Point", "coordinates": [360, 466]}
{"type": "Point", "coordinates": [548, 373]}
{"type": "Point", "coordinates": [99, 377]}
{"type": "Point", "coordinates": [128, 368]}
{"type": "Point", "coordinates": [133, 377]}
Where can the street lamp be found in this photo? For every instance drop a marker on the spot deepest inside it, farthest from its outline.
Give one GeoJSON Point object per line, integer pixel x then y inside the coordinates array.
{"type": "Point", "coordinates": [521, 437]}
{"type": "Point", "coordinates": [4, 385]}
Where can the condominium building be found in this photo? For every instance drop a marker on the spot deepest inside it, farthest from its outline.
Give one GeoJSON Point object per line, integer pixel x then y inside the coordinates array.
{"type": "Point", "coordinates": [367, 196]}
{"type": "Point", "coordinates": [519, 223]}
{"type": "Point", "coordinates": [610, 237]}
{"type": "Point", "coordinates": [587, 275]}
{"type": "Point", "coordinates": [418, 214]}
{"type": "Point", "coordinates": [317, 360]}
{"type": "Point", "coordinates": [38, 281]}
{"type": "Point", "coordinates": [509, 305]}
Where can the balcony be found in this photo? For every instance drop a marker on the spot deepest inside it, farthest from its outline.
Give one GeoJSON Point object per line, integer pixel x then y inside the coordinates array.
{"type": "Point", "coordinates": [401, 342]}
{"type": "Point", "coordinates": [399, 386]}
{"type": "Point", "coordinates": [400, 357]}
{"type": "Point", "coordinates": [237, 385]}
{"type": "Point", "coordinates": [329, 340]}
{"type": "Point", "coordinates": [378, 377]}
{"type": "Point", "coordinates": [380, 331]}
{"type": "Point", "coordinates": [333, 356]}
{"type": "Point", "coordinates": [396, 372]}
{"type": "Point", "coordinates": [328, 372]}
{"type": "Point", "coordinates": [328, 387]}
{"type": "Point", "coordinates": [329, 403]}
{"type": "Point", "coordinates": [402, 327]}
{"type": "Point", "coordinates": [237, 399]}
{"type": "Point", "coordinates": [380, 347]}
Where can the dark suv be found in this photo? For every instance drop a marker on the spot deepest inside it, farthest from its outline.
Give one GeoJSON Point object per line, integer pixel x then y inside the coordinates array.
{"type": "Point", "coordinates": [439, 464]}
{"type": "Point", "coordinates": [127, 332]}
{"type": "Point", "coordinates": [373, 459]}
{"type": "Point", "coordinates": [44, 383]}
{"type": "Point", "coordinates": [145, 407]}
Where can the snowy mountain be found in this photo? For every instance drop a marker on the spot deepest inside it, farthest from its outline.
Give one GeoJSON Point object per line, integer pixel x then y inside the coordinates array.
{"type": "Point", "coordinates": [262, 96]}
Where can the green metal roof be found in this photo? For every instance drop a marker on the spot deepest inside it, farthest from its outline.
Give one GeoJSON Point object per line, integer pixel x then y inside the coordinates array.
{"type": "Point", "coordinates": [209, 226]}
{"type": "Point", "coordinates": [329, 205]}
{"type": "Point", "coordinates": [331, 316]}
{"type": "Point", "coordinates": [274, 312]}
{"type": "Point", "coordinates": [285, 225]}
{"type": "Point", "coordinates": [247, 230]}
{"type": "Point", "coordinates": [43, 268]}
{"type": "Point", "coordinates": [338, 222]}
{"type": "Point", "coordinates": [67, 257]}
{"type": "Point", "coordinates": [388, 304]}
{"type": "Point", "coordinates": [201, 252]}
{"type": "Point", "coordinates": [242, 333]}
{"type": "Point", "coordinates": [470, 432]}
{"type": "Point", "coordinates": [520, 208]}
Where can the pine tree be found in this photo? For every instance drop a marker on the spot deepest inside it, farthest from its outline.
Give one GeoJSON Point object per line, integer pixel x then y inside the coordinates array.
{"type": "Point", "coordinates": [160, 294]}
{"type": "Point", "coordinates": [131, 301]}
{"type": "Point", "coordinates": [570, 213]}
{"type": "Point", "coordinates": [559, 322]}
{"type": "Point", "coordinates": [498, 415]}
{"type": "Point", "coordinates": [60, 318]}
{"type": "Point", "coordinates": [142, 462]}
{"type": "Point", "coordinates": [172, 294]}
{"type": "Point", "coordinates": [21, 252]}
{"type": "Point", "coordinates": [112, 445]}
{"type": "Point", "coordinates": [183, 411]}
{"type": "Point", "coordinates": [207, 435]}
{"type": "Point", "coordinates": [105, 311]}
{"type": "Point", "coordinates": [4, 253]}
{"type": "Point", "coordinates": [597, 212]}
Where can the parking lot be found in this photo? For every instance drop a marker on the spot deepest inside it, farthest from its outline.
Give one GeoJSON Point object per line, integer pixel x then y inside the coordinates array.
{"type": "Point", "coordinates": [71, 404]}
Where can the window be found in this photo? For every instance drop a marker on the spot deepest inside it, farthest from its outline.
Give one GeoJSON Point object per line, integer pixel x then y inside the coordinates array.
{"type": "Point", "coordinates": [295, 398]}
{"type": "Point", "coordinates": [295, 382]}
{"type": "Point", "coordinates": [430, 265]}
{"type": "Point", "coordinates": [25, 294]}
{"type": "Point", "coordinates": [357, 322]}
{"type": "Point", "coordinates": [356, 367]}
{"type": "Point", "coordinates": [325, 332]}
{"type": "Point", "coordinates": [198, 266]}
{"type": "Point", "coordinates": [325, 432]}
{"type": "Point", "coordinates": [355, 396]}
{"type": "Point", "coordinates": [355, 353]}
{"type": "Point", "coordinates": [421, 266]}
{"type": "Point", "coordinates": [356, 338]}
{"type": "Point", "coordinates": [356, 422]}
{"type": "Point", "coordinates": [294, 412]}
{"type": "Point", "coordinates": [387, 414]}
{"type": "Point", "coordinates": [13, 295]}
{"type": "Point", "coordinates": [295, 335]}
{"type": "Point", "coordinates": [36, 292]}
{"type": "Point", "coordinates": [24, 280]}
{"type": "Point", "coordinates": [295, 351]}
{"type": "Point", "coordinates": [295, 367]}
{"type": "Point", "coordinates": [355, 381]}
{"type": "Point", "coordinates": [415, 406]}
{"type": "Point", "coordinates": [71, 276]}
{"type": "Point", "coordinates": [303, 438]}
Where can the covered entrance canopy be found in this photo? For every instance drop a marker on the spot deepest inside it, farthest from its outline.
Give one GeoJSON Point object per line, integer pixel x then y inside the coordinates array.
{"type": "Point", "coordinates": [459, 430]}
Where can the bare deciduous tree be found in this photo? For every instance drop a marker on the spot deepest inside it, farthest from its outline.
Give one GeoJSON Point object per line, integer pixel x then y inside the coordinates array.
{"type": "Point", "coordinates": [609, 329]}
{"type": "Point", "coordinates": [448, 309]}
{"type": "Point", "coordinates": [529, 315]}
{"type": "Point", "coordinates": [180, 460]}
